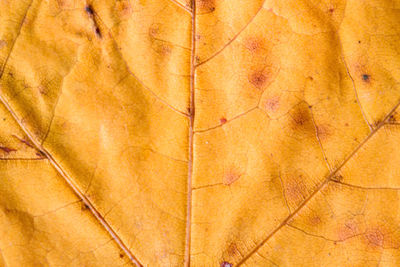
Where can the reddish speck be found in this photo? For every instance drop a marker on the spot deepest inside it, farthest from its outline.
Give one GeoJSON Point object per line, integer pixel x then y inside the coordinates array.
{"type": "Point", "coordinates": [223, 120]}
{"type": "Point", "coordinates": [226, 264]}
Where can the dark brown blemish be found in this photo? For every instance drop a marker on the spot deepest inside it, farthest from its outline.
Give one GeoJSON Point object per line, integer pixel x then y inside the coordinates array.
{"type": "Point", "coordinates": [359, 41]}
{"type": "Point", "coordinates": [258, 79]}
{"type": "Point", "coordinates": [226, 264]}
{"type": "Point", "coordinates": [331, 10]}
{"type": "Point", "coordinates": [223, 120]}
{"type": "Point", "coordinates": [366, 77]}
{"type": "Point", "coordinates": [392, 119]}
{"type": "Point", "coordinates": [98, 32]}
{"type": "Point", "coordinates": [84, 207]}
{"type": "Point", "coordinates": [7, 149]}
{"type": "Point", "coordinates": [89, 10]}
{"type": "Point", "coordinates": [121, 255]}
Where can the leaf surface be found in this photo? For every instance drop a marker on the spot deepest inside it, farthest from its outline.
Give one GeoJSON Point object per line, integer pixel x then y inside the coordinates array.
{"type": "Point", "coordinates": [212, 133]}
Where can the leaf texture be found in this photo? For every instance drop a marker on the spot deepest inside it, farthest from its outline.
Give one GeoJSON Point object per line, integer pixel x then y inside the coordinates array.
{"type": "Point", "coordinates": [204, 133]}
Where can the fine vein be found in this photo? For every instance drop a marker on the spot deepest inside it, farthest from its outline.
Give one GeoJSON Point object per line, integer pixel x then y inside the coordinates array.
{"type": "Point", "coordinates": [191, 136]}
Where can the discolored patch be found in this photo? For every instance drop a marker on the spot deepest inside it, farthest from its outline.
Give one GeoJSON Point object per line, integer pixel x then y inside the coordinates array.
{"type": "Point", "coordinates": [295, 189]}
{"type": "Point", "coordinates": [254, 44]}
{"type": "Point", "coordinates": [258, 79]}
{"type": "Point", "coordinates": [314, 219]}
{"type": "Point", "coordinates": [272, 104]}
{"type": "Point", "coordinates": [374, 237]}
{"type": "Point", "coordinates": [231, 175]}
{"type": "Point", "coordinates": [324, 131]}
{"type": "Point", "coordinates": [205, 6]}
{"type": "Point", "coordinates": [154, 30]}
{"type": "Point", "coordinates": [124, 8]}
{"type": "Point", "coordinates": [223, 120]}
{"type": "Point", "coordinates": [300, 118]}
{"type": "Point", "coordinates": [2, 44]}
{"type": "Point", "coordinates": [347, 230]}
{"type": "Point", "coordinates": [233, 250]}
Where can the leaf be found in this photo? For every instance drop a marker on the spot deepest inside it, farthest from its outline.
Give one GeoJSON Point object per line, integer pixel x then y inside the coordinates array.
{"type": "Point", "coordinates": [214, 133]}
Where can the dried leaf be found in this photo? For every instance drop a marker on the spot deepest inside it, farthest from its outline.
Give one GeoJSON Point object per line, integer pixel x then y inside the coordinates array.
{"type": "Point", "coordinates": [212, 133]}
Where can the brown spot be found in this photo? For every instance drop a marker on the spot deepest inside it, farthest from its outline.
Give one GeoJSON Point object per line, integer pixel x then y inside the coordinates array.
{"type": "Point", "coordinates": [226, 264]}
{"type": "Point", "coordinates": [223, 120]}
{"type": "Point", "coordinates": [258, 79]}
{"type": "Point", "coordinates": [346, 124]}
{"type": "Point", "coordinates": [121, 255]}
{"type": "Point", "coordinates": [206, 5]}
{"type": "Point", "coordinates": [84, 206]}
{"type": "Point", "coordinates": [7, 149]}
{"type": "Point", "coordinates": [375, 237]}
{"type": "Point", "coordinates": [300, 117]}
{"type": "Point", "coordinates": [124, 8]}
{"type": "Point", "coordinates": [231, 176]}
{"type": "Point", "coordinates": [331, 10]}
{"type": "Point", "coordinates": [315, 220]}
{"type": "Point", "coordinates": [272, 104]}
{"type": "Point", "coordinates": [254, 45]}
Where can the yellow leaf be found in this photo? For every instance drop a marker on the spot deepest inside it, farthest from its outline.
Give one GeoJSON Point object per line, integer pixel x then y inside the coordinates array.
{"type": "Point", "coordinates": [206, 133]}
